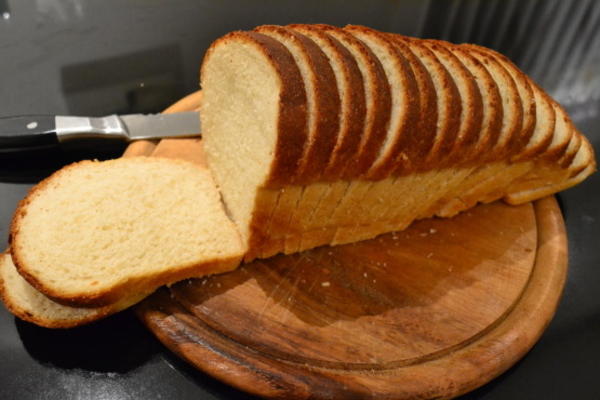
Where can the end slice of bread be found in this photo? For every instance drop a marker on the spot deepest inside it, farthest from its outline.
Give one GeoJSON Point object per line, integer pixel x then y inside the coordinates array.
{"type": "Point", "coordinates": [95, 232]}
{"type": "Point", "coordinates": [25, 302]}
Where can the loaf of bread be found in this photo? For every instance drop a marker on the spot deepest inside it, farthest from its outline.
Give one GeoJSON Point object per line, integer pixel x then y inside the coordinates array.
{"type": "Point", "coordinates": [320, 135]}
{"type": "Point", "coordinates": [95, 233]}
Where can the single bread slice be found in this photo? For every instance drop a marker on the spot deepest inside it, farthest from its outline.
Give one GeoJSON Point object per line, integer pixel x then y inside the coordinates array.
{"type": "Point", "coordinates": [95, 232]}
{"type": "Point", "coordinates": [25, 302]}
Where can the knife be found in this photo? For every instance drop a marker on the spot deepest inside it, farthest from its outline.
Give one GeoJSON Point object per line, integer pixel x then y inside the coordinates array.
{"type": "Point", "coordinates": [40, 132]}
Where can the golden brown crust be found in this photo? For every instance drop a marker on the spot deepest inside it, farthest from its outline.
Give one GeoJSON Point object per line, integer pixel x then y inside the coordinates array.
{"type": "Point", "coordinates": [424, 133]}
{"type": "Point", "coordinates": [469, 117]}
{"type": "Point", "coordinates": [321, 142]}
{"type": "Point", "coordinates": [526, 93]}
{"type": "Point", "coordinates": [377, 113]}
{"type": "Point", "coordinates": [492, 108]}
{"type": "Point", "coordinates": [392, 158]}
{"type": "Point", "coordinates": [352, 106]}
{"type": "Point", "coordinates": [508, 142]}
{"type": "Point", "coordinates": [292, 126]}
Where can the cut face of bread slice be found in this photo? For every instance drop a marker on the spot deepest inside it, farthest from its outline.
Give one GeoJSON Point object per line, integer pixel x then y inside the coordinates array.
{"type": "Point", "coordinates": [25, 302]}
{"type": "Point", "coordinates": [122, 226]}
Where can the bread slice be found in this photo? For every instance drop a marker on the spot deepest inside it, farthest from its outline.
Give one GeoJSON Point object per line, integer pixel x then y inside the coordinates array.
{"type": "Point", "coordinates": [119, 227]}
{"type": "Point", "coordinates": [443, 130]}
{"type": "Point", "coordinates": [582, 166]}
{"type": "Point", "coordinates": [463, 145]}
{"type": "Point", "coordinates": [25, 302]}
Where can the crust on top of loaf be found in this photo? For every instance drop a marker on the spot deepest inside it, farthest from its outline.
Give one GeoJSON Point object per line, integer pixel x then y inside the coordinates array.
{"type": "Point", "coordinates": [324, 102]}
{"type": "Point", "coordinates": [69, 260]}
{"type": "Point", "coordinates": [377, 101]}
{"type": "Point", "coordinates": [405, 101]}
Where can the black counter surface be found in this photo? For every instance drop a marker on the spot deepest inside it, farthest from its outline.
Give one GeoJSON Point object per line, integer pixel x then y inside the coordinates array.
{"type": "Point", "coordinates": [99, 57]}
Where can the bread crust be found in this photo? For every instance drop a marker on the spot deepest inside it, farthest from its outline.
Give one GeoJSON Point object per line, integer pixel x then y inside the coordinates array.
{"type": "Point", "coordinates": [352, 107]}
{"type": "Point", "coordinates": [525, 90]}
{"type": "Point", "coordinates": [388, 159]}
{"type": "Point", "coordinates": [323, 134]}
{"type": "Point", "coordinates": [469, 117]}
{"type": "Point", "coordinates": [377, 112]}
{"type": "Point", "coordinates": [423, 135]}
{"type": "Point", "coordinates": [511, 102]}
{"type": "Point", "coordinates": [492, 108]}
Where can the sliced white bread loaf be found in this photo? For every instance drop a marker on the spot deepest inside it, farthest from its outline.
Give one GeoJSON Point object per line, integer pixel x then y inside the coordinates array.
{"type": "Point", "coordinates": [25, 302]}
{"type": "Point", "coordinates": [93, 233]}
{"type": "Point", "coordinates": [505, 129]}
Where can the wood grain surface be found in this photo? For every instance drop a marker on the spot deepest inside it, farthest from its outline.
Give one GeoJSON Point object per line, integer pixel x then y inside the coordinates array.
{"type": "Point", "coordinates": [431, 312]}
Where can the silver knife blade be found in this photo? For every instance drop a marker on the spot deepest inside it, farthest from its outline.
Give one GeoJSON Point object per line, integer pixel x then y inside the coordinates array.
{"type": "Point", "coordinates": [154, 126]}
{"type": "Point", "coordinates": [129, 127]}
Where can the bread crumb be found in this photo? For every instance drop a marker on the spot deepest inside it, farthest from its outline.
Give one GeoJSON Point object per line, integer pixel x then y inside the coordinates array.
{"type": "Point", "coordinates": [429, 255]}
{"type": "Point", "coordinates": [325, 284]}
{"type": "Point", "coordinates": [432, 230]}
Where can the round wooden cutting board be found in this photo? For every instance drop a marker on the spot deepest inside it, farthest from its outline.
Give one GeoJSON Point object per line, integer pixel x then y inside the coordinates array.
{"type": "Point", "coordinates": [431, 312]}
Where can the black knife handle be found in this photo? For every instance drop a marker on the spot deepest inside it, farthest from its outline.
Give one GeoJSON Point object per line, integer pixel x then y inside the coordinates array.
{"type": "Point", "coordinates": [27, 132]}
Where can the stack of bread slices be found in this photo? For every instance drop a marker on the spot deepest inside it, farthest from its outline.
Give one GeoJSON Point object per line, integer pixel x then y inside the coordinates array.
{"type": "Point", "coordinates": [321, 135]}
{"type": "Point", "coordinates": [314, 135]}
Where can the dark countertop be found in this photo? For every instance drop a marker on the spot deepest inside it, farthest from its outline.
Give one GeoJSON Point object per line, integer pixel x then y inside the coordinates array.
{"type": "Point", "coordinates": [84, 57]}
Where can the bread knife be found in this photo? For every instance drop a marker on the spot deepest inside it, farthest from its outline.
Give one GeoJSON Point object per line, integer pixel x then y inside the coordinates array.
{"type": "Point", "coordinates": [38, 132]}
